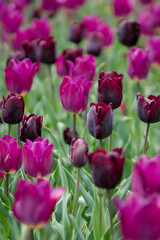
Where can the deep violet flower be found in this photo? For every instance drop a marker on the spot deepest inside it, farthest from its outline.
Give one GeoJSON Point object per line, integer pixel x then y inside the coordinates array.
{"type": "Point", "coordinates": [79, 152]}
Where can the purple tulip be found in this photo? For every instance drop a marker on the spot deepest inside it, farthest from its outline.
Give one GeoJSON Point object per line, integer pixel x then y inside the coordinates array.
{"type": "Point", "coordinates": [148, 109]}
{"type": "Point", "coordinates": [85, 65]}
{"type": "Point", "coordinates": [74, 93]}
{"type": "Point", "coordinates": [62, 60]}
{"type": "Point", "coordinates": [138, 63]}
{"type": "Point", "coordinates": [147, 21]}
{"type": "Point", "coordinates": [16, 56]}
{"type": "Point", "coordinates": [12, 109]}
{"type": "Point", "coordinates": [95, 42]}
{"type": "Point", "coordinates": [100, 120]}
{"type": "Point", "coordinates": [37, 157]}
{"type": "Point", "coordinates": [155, 9]}
{"type": "Point", "coordinates": [79, 152]}
{"type": "Point", "coordinates": [51, 5]}
{"type": "Point", "coordinates": [128, 32]}
{"type": "Point", "coordinates": [106, 167]}
{"type": "Point", "coordinates": [21, 4]}
{"type": "Point", "coordinates": [68, 135]}
{"type": "Point", "coordinates": [110, 88]}
{"type": "Point", "coordinates": [139, 217]}
{"type": "Point", "coordinates": [31, 127]}
{"type": "Point", "coordinates": [146, 1]}
{"type": "Point", "coordinates": [19, 75]}
{"type": "Point", "coordinates": [153, 47]}
{"type": "Point", "coordinates": [145, 178]}
{"type": "Point", "coordinates": [9, 155]}
{"type": "Point", "coordinates": [39, 199]}
{"type": "Point", "coordinates": [123, 7]}
{"type": "Point", "coordinates": [76, 32]}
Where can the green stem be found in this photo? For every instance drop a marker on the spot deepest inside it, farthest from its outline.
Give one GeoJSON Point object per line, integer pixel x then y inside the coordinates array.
{"type": "Point", "coordinates": [30, 234]}
{"type": "Point", "coordinates": [18, 134]}
{"type": "Point", "coordinates": [7, 185]}
{"type": "Point", "coordinates": [9, 129]}
{"type": "Point", "coordinates": [110, 143]}
{"type": "Point", "coordinates": [146, 136]}
{"type": "Point", "coordinates": [76, 193]}
{"type": "Point", "coordinates": [100, 143]}
{"type": "Point", "coordinates": [110, 214]}
{"type": "Point", "coordinates": [74, 125]}
{"type": "Point", "coordinates": [100, 214]}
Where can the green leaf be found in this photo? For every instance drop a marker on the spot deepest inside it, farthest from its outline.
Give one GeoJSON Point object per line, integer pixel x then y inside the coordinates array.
{"type": "Point", "coordinates": [79, 234]}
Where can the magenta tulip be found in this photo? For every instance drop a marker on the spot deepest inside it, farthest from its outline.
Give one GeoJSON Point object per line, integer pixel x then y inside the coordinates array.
{"type": "Point", "coordinates": [9, 155]}
{"type": "Point", "coordinates": [123, 7]}
{"type": "Point", "coordinates": [19, 76]}
{"type": "Point", "coordinates": [37, 157]}
{"type": "Point", "coordinates": [74, 93]}
{"type": "Point", "coordinates": [51, 5]}
{"type": "Point", "coordinates": [39, 199]}
{"type": "Point", "coordinates": [138, 63]}
{"type": "Point", "coordinates": [153, 47]}
{"type": "Point", "coordinates": [146, 1]}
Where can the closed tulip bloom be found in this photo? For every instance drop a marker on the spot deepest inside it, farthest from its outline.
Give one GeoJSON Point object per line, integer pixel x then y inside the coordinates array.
{"type": "Point", "coordinates": [123, 7]}
{"type": "Point", "coordinates": [106, 168]}
{"type": "Point", "coordinates": [153, 47]}
{"type": "Point", "coordinates": [12, 109]}
{"type": "Point", "coordinates": [30, 49]}
{"type": "Point", "coordinates": [9, 155]}
{"type": "Point", "coordinates": [76, 32]}
{"type": "Point", "coordinates": [37, 157]}
{"type": "Point", "coordinates": [62, 60]}
{"type": "Point", "coordinates": [31, 127]}
{"type": "Point", "coordinates": [147, 21]}
{"type": "Point", "coordinates": [39, 199]}
{"type": "Point", "coordinates": [47, 50]}
{"type": "Point", "coordinates": [95, 43]}
{"type": "Point", "coordinates": [128, 32]}
{"type": "Point", "coordinates": [110, 88]}
{"type": "Point", "coordinates": [100, 120]}
{"type": "Point", "coordinates": [148, 109]}
{"type": "Point", "coordinates": [139, 217]}
{"type": "Point", "coordinates": [79, 152]}
{"type": "Point", "coordinates": [74, 93]}
{"type": "Point", "coordinates": [68, 135]}
{"type": "Point", "coordinates": [145, 178]}
{"type": "Point", "coordinates": [138, 63]}
{"type": "Point", "coordinates": [19, 76]}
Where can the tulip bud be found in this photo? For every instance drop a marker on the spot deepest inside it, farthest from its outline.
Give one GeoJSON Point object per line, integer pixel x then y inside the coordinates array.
{"type": "Point", "coordinates": [106, 167]}
{"type": "Point", "coordinates": [68, 135]}
{"type": "Point", "coordinates": [110, 88]}
{"type": "Point", "coordinates": [30, 50]}
{"type": "Point", "coordinates": [79, 152]}
{"type": "Point", "coordinates": [148, 109]}
{"type": "Point", "coordinates": [31, 127]}
{"type": "Point", "coordinates": [9, 155]}
{"type": "Point", "coordinates": [47, 50]}
{"type": "Point", "coordinates": [37, 157]}
{"type": "Point", "coordinates": [12, 109]}
{"type": "Point", "coordinates": [138, 63]}
{"type": "Point", "coordinates": [100, 120]}
{"type": "Point", "coordinates": [123, 7]}
{"type": "Point", "coordinates": [74, 93]}
{"type": "Point", "coordinates": [40, 198]}
{"type": "Point", "coordinates": [76, 32]}
{"type": "Point", "coordinates": [128, 32]}
{"type": "Point", "coordinates": [95, 42]}
{"type": "Point", "coordinates": [153, 47]}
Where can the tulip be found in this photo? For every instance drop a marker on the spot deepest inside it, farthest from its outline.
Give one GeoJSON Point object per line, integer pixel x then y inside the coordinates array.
{"type": "Point", "coordinates": [19, 76]}
{"type": "Point", "coordinates": [79, 152]}
{"type": "Point", "coordinates": [51, 5]}
{"type": "Point", "coordinates": [47, 50]}
{"type": "Point", "coordinates": [21, 4]}
{"type": "Point", "coordinates": [16, 56]}
{"type": "Point", "coordinates": [129, 32]}
{"type": "Point", "coordinates": [153, 47]}
{"type": "Point", "coordinates": [100, 120]}
{"type": "Point", "coordinates": [37, 157]}
{"type": "Point", "coordinates": [62, 60]}
{"type": "Point", "coordinates": [123, 7]}
{"type": "Point", "coordinates": [30, 50]}
{"type": "Point", "coordinates": [9, 155]}
{"type": "Point", "coordinates": [76, 32]}
{"type": "Point", "coordinates": [31, 127]}
{"type": "Point", "coordinates": [139, 217]}
{"type": "Point", "coordinates": [147, 21]}
{"type": "Point", "coordinates": [40, 200]}
{"type": "Point", "coordinates": [68, 135]}
{"type": "Point", "coordinates": [110, 88]}
{"type": "Point", "coordinates": [146, 1]}
{"type": "Point", "coordinates": [106, 167]}
{"type": "Point", "coordinates": [74, 93]}
{"type": "Point", "coordinates": [12, 109]}
{"type": "Point", "coordinates": [148, 109]}
{"type": "Point", "coordinates": [1, 175]}
{"type": "Point", "coordinates": [95, 42]}
{"type": "Point", "coordinates": [138, 63]}
{"type": "Point", "coordinates": [145, 179]}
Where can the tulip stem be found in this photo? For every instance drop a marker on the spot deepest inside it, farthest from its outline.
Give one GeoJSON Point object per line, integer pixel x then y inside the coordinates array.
{"type": "Point", "coordinates": [100, 143]}
{"type": "Point", "coordinates": [7, 185]}
{"type": "Point", "coordinates": [76, 193]}
{"type": "Point", "coordinates": [100, 214]}
{"type": "Point", "coordinates": [9, 129]}
{"type": "Point", "coordinates": [18, 134]}
{"type": "Point", "coordinates": [146, 136]}
{"type": "Point", "coordinates": [110, 143]}
{"type": "Point", "coordinates": [110, 214]}
{"type": "Point", "coordinates": [74, 125]}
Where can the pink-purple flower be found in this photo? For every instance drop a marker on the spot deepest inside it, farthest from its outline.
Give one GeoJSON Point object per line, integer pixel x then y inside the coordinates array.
{"type": "Point", "coordinates": [123, 7]}
{"type": "Point", "coordinates": [153, 47]}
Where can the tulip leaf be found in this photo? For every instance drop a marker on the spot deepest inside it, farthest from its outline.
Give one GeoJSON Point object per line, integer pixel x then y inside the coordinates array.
{"type": "Point", "coordinates": [79, 234]}
{"type": "Point", "coordinates": [4, 221]}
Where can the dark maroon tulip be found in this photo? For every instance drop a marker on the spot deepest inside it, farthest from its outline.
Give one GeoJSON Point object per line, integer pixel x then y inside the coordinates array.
{"type": "Point", "coordinates": [128, 32]}
{"type": "Point", "coordinates": [31, 127]}
{"type": "Point", "coordinates": [148, 109]}
{"type": "Point", "coordinates": [12, 109]}
{"type": "Point", "coordinates": [76, 32]}
{"type": "Point", "coordinates": [79, 152]}
{"type": "Point", "coordinates": [95, 42]}
{"type": "Point", "coordinates": [110, 88]}
{"type": "Point", "coordinates": [16, 56]}
{"type": "Point", "coordinates": [47, 50]}
{"type": "Point", "coordinates": [30, 50]}
{"type": "Point", "coordinates": [107, 168]}
{"type": "Point", "coordinates": [68, 135]}
{"type": "Point", "coordinates": [100, 120]}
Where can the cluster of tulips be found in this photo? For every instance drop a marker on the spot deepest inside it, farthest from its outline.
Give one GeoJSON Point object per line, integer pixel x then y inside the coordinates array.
{"type": "Point", "coordinates": [34, 46]}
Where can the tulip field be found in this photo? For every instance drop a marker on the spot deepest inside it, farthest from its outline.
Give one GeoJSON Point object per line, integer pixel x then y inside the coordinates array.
{"type": "Point", "coordinates": [79, 120]}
